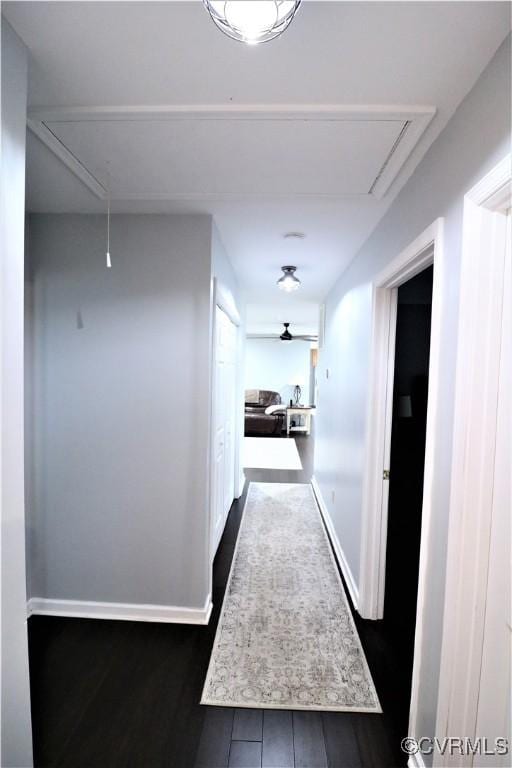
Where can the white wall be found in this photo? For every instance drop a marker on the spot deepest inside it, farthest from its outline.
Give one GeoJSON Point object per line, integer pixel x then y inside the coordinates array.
{"type": "Point", "coordinates": [15, 727]}
{"type": "Point", "coordinates": [120, 409]}
{"type": "Point", "coordinates": [476, 138]}
{"type": "Point", "coordinates": [271, 364]}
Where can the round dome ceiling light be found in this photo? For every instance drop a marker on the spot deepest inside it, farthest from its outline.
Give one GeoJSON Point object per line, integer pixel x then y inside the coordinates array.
{"type": "Point", "coordinates": [288, 282]}
{"type": "Point", "coordinates": [252, 21]}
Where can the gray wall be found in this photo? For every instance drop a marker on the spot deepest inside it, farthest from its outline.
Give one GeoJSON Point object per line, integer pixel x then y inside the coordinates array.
{"type": "Point", "coordinates": [16, 737]}
{"type": "Point", "coordinates": [476, 139]}
{"type": "Point", "coordinates": [120, 409]}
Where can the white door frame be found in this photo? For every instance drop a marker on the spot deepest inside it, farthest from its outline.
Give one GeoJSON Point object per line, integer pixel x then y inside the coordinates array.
{"type": "Point", "coordinates": [224, 300]}
{"type": "Point", "coordinates": [483, 272]}
{"type": "Point", "coordinates": [427, 249]}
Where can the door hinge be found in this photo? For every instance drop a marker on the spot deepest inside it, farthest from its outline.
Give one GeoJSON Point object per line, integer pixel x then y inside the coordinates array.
{"type": "Point", "coordinates": [385, 474]}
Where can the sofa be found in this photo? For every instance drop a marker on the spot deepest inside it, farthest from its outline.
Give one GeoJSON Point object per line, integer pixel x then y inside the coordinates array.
{"type": "Point", "coordinates": [264, 412]}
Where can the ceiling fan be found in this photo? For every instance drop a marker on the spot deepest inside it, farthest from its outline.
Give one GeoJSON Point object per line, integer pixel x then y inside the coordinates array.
{"type": "Point", "coordinates": [284, 336]}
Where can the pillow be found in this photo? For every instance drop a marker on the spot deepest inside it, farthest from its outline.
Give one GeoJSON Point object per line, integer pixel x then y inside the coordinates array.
{"type": "Point", "coordinates": [275, 409]}
{"type": "Point", "coordinates": [252, 396]}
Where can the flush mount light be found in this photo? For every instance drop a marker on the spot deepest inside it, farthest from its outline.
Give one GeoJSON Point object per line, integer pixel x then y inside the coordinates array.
{"type": "Point", "coordinates": [288, 282]}
{"type": "Point", "coordinates": [252, 21]}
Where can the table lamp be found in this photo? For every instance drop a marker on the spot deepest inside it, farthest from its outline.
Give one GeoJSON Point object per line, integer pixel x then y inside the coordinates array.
{"type": "Point", "coordinates": [297, 383]}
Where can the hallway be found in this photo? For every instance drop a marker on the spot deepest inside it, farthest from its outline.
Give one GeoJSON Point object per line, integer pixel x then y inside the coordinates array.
{"type": "Point", "coordinates": [208, 239]}
{"type": "Point", "coordinates": [126, 693]}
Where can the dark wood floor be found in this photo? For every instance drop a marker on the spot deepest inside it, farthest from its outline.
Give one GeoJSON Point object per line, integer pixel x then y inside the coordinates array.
{"type": "Point", "coordinates": [115, 693]}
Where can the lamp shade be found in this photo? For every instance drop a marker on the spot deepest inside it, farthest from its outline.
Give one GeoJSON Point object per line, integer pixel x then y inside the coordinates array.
{"type": "Point", "coordinates": [404, 407]}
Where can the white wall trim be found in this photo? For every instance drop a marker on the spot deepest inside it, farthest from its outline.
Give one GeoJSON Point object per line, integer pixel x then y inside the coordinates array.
{"type": "Point", "coordinates": [415, 120]}
{"type": "Point", "coordinates": [88, 609]}
{"type": "Point", "coordinates": [226, 302]}
{"type": "Point", "coordinates": [338, 549]}
{"type": "Point", "coordinates": [477, 386]}
{"type": "Point", "coordinates": [411, 260]}
{"type": "Point", "coordinates": [15, 720]}
{"type": "Point", "coordinates": [493, 191]}
{"type": "Point", "coordinates": [44, 133]}
{"type": "Point", "coordinates": [340, 112]}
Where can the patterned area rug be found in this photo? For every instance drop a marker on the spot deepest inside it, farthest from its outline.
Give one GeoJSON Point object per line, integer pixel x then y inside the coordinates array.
{"type": "Point", "coordinates": [286, 638]}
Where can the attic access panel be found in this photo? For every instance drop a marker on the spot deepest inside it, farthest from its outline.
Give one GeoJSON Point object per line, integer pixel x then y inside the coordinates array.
{"type": "Point", "coordinates": [183, 154]}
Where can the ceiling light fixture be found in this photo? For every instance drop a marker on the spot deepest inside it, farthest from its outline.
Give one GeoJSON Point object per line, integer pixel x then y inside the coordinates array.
{"type": "Point", "coordinates": [252, 21]}
{"type": "Point", "coordinates": [288, 282]}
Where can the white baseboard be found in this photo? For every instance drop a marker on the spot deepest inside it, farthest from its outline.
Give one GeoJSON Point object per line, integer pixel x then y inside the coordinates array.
{"type": "Point", "coordinates": [86, 609]}
{"type": "Point", "coordinates": [416, 761]}
{"type": "Point", "coordinates": [338, 551]}
{"type": "Point", "coordinates": [241, 485]}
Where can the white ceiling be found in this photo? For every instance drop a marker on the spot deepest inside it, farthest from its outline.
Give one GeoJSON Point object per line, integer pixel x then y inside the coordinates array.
{"type": "Point", "coordinates": [287, 162]}
{"type": "Point", "coordinates": [268, 317]}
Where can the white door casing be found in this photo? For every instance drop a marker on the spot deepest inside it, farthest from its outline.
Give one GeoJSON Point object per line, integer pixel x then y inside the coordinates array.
{"type": "Point", "coordinates": [494, 710]}
{"type": "Point", "coordinates": [229, 353]}
{"type": "Point", "coordinates": [218, 440]}
{"type": "Point", "coordinates": [224, 424]}
{"type": "Point", "coordinates": [426, 250]}
{"type": "Point", "coordinates": [474, 695]}
{"type": "Point", "coordinates": [422, 253]}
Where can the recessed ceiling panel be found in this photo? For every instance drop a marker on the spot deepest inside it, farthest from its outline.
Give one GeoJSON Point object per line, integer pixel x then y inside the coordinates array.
{"type": "Point", "coordinates": [195, 157]}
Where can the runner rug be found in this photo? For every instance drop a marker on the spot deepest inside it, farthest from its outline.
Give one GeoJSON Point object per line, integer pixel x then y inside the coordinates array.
{"type": "Point", "coordinates": [286, 638]}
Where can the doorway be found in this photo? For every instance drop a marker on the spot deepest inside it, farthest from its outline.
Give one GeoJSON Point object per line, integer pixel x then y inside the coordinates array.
{"type": "Point", "coordinates": [426, 250]}
{"type": "Point", "coordinates": [406, 471]}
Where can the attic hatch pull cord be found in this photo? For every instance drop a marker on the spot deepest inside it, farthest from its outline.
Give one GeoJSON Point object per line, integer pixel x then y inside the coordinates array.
{"type": "Point", "coordinates": [109, 262]}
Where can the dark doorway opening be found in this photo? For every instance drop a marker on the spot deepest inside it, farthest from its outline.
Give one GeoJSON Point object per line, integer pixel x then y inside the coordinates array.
{"type": "Point", "coordinates": [408, 431]}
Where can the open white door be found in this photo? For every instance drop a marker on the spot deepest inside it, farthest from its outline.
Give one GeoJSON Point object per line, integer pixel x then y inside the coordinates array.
{"type": "Point", "coordinates": [224, 420]}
